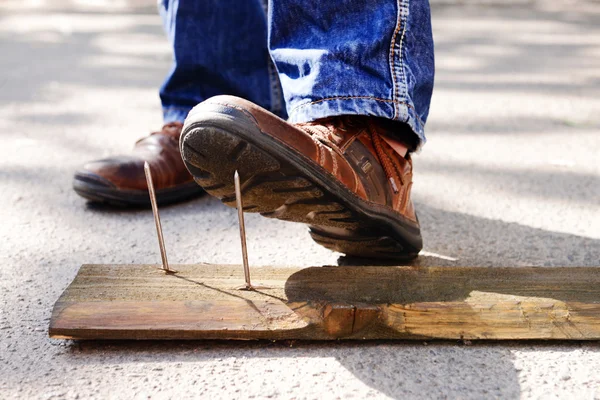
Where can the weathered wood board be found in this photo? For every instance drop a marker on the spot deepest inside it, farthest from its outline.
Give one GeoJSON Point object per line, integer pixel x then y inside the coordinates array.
{"type": "Point", "coordinates": [202, 302]}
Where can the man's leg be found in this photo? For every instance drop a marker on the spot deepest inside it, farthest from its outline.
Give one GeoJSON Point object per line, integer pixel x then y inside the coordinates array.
{"type": "Point", "coordinates": [359, 57]}
{"type": "Point", "coordinates": [357, 76]}
{"type": "Point", "coordinates": [219, 47]}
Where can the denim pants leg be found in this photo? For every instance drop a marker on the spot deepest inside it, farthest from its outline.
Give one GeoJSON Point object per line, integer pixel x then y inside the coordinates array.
{"type": "Point", "coordinates": [364, 57]}
{"type": "Point", "coordinates": [220, 47]}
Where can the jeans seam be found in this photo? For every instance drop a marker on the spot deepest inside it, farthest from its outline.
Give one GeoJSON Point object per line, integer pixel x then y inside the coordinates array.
{"type": "Point", "coordinates": [350, 98]}
{"type": "Point", "coordinates": [395, 102]}
{"type": "Point", "coordinates": [274, 84]}
{"type": "Point", "coordinates": [341, 98]}
{"type": "Point", "coordinates": [276, 103]}
{"type": "Point", "coordinates": [400, 25]}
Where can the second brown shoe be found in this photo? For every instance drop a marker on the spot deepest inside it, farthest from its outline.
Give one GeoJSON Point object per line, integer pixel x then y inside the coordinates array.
{"type": "Point", "coordinates": [338, 175]}
{"type": "Point", "coordinates": [121, 181]}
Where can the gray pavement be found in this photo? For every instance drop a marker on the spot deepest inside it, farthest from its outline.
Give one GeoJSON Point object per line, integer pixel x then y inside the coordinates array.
{"type": "Point", "coordinates": [510, 176]}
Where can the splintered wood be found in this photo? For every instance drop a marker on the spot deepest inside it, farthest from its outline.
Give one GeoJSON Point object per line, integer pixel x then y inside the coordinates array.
{"type": "Point", "coordinates": [321, 303]}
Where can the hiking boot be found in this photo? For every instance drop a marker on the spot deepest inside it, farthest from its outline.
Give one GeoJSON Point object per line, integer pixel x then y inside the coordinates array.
{"type": "Point", "coordinates": [121, 180]}
{"type": "Point", "coordinates": [339, 175]}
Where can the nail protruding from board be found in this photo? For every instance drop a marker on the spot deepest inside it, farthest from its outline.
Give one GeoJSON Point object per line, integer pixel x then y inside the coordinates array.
{"type": "Point", "coordinates": [161, 240]}
{"type": "Point", "coordinates": [240, 210]}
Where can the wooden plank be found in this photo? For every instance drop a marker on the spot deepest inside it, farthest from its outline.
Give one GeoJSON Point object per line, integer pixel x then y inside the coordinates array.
{"type": "Point", "coordinates": [202, 302]}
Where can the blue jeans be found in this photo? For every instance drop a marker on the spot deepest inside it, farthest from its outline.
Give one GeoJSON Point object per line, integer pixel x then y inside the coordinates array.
{"type": "Point", "coordinates": [303, 60]}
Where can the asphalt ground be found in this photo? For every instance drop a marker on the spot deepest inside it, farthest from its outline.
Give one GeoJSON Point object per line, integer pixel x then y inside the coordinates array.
{"type": "Point", "coordinates": [510, 176]}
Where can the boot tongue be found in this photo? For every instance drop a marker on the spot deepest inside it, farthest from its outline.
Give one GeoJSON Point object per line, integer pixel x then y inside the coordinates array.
{"type": "Point", "coordinates": [172, 129]}
{"type": "Point", "coordinates": [399, 147]}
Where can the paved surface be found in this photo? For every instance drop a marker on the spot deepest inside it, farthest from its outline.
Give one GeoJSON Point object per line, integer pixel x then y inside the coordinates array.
{"type": "Point", "coordinates": [510, 176]}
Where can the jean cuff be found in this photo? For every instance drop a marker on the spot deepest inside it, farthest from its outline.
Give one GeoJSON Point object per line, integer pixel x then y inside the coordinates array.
{"type": "Point", "coordinates": [175, 114]}
{"type": "Point", "coordinates": [354, 105]}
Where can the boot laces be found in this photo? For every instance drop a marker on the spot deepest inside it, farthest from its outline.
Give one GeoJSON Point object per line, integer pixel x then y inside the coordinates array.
{"type": "Point", "coordinates": [325, 131]}
{"type": "Point", "coordinates": [172, 130]}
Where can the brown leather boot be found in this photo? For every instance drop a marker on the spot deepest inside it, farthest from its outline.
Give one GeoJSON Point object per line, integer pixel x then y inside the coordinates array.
{"type": "Point", "coordinates": [338, 175]}
{"type": "Point", "coordinates": [121, 180]}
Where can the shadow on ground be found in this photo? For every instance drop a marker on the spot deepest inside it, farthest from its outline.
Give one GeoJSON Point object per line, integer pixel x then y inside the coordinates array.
{"type": "Point", "coordinates": [396, 369]}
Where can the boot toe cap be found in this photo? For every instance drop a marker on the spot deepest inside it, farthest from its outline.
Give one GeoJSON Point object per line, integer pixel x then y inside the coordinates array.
{"type": "Point", "coordinates": [122, 172]}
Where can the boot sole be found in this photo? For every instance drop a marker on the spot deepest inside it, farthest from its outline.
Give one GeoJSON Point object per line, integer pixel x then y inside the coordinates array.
{"type": "Point", "coordinates": [133, 198]}
{"type": "Point", "coordinates": [278, 182]}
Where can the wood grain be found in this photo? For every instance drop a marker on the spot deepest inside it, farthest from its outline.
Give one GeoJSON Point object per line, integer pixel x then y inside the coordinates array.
{"type": "Point", "coordinates": [322, 303]}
